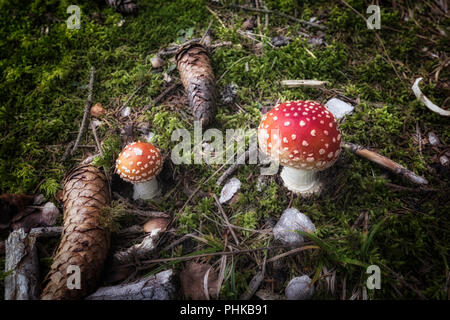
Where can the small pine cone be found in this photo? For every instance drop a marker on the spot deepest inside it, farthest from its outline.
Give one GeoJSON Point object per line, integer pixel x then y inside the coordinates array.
{"type": "Point", "coordinates": [198, 80]}
{"type": "Point", "coordinates": [84, 241]}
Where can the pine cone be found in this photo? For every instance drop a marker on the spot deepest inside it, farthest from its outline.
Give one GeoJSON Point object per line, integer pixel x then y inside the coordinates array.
{"type": "Point", "coordinates": [198, 80]}
{"type": "Point", "coordinates": [84, 242]}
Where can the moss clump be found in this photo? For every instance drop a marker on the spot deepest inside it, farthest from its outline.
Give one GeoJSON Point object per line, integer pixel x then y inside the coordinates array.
{"type": "Point", "coordinates": [111, 150]}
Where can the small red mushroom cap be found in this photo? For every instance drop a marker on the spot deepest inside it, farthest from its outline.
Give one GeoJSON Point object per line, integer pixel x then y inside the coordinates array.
{"type": "Point", "coordinates": [300, 134]}
{"type": "Point", "coordinates": [139, 162]}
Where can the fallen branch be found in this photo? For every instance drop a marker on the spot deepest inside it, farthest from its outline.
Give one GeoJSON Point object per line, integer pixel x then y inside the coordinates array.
{"type": "Point", "coordinates": [157, 287]}
{"type": "Point", "coordinates": [281, 14]}
{"type": "Point", "coordinates": [161, 96]}
{"type": "Point", "coordinates": [46, 232]}
{"type": "Point", "coordinates": [140, 250]}
{"type": "Point", "coordinates": [138, 212]}
{"type": "Point", "coordinates": [87, 109]}
{"type": "Point", "coordinates": [240, 161]}
{"type": "Point", "coordinates": [427, 102]}
{"type": "Point", "coordinates": [385, 162]}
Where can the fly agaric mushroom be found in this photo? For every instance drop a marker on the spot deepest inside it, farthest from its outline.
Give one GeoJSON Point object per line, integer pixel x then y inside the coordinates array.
{"type": "Point", "coordinates": [304, 137]}
{"type": "Point", "coordinates": [140, 163]}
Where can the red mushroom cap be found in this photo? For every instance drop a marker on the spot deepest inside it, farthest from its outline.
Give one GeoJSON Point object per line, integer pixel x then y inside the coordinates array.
{"type": "Point", "coordinates": [139, 162]}
{"type": "Point", "coordinates": [308, 135]}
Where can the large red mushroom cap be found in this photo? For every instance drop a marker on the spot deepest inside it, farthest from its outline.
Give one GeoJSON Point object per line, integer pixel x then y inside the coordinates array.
{"type": "Point", "coordinates": [308, 136]}
{"type": "Point", "coordinates": [139, 162]}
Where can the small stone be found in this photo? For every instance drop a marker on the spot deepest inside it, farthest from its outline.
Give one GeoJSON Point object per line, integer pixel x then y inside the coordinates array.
{"type": "Point", "coordinates": [339, 108]}
{"type": "Point", "coordinates": [230, 188]}
{"type": "Point", "coordinates": [149, 136]}
{"type": "Point", "coordinates": [125, 112]}
{"type": "Point", "coordinates": [156, 62]}
{"type": "Point", "coordinates": [120, 23]}
{"type": "Point", "coordinates": [49, 214]}
{"type": "Point", "coordinates": [290, 221]}
{"type": "Point", "coordinates": [299, 289]}
{"type": "Point", "coordinates": [315, 41]}
{"type": "Point", "coordinates": [444, 160]}
{"type": "Point", "coordinates": [433, 139]}
{"type": "Point", "coordinates": [280, 41]}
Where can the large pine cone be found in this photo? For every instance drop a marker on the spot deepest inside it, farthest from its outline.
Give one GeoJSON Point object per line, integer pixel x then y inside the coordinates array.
{"type": "Point", "coordinates": [198, 80]}
{"type": "Point", "coordinates": [84, 241]}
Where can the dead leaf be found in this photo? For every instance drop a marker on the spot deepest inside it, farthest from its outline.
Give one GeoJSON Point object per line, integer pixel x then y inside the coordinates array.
{"type": "Point", "coordinates": [156, 223]}
{"type": "Point", "coordinates": [192, 281]}
{"type": "Point", "coordinates": [12, 207]}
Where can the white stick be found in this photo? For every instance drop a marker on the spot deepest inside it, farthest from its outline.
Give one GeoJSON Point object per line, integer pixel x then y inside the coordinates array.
{"type": "Point", "coordinates": [305, 83]}
{"type": "Point", "coordinates": [427, 102]}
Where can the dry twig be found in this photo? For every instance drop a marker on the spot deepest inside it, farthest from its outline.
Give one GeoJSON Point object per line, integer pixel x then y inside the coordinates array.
{"type": "Point", "coordinates": [385, 162]}
{"type": "Point", "coordinates": [87, 108]}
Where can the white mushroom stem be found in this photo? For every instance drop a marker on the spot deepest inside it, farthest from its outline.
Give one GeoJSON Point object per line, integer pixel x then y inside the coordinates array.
{"type": "Point", "coordinates": [146, 190]}
{"type": "Point", "coordinates": [300, 181]}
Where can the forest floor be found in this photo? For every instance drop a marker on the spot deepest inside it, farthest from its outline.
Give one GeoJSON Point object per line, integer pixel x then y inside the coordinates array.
{"type": "Point", "coordinates": [368, 216]}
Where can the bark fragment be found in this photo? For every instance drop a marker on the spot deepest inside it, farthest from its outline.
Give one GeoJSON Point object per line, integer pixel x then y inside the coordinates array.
{"type": "Point", "coordinates": [198, 80]}
{"type": "Point", "coordinates": [23, 264]}
{"type": "Point", "coordinates": [158, 287]}
{"type": "Point", "coordinates": [84, 242]}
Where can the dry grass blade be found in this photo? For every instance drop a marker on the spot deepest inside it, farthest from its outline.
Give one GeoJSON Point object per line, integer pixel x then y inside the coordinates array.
{"type": "Point", "coordinates": [293, 251]}
{"type": "Point", "coordinates": [226, 219]}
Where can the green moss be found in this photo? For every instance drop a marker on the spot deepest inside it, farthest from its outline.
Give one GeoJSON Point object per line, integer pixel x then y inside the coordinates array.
{"type": "Point", "coordinates": [112, 216]}
{"type": "Point", "coordinates": [111, 149]}
{"type": "Point", "coordinates": [44, 79]}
